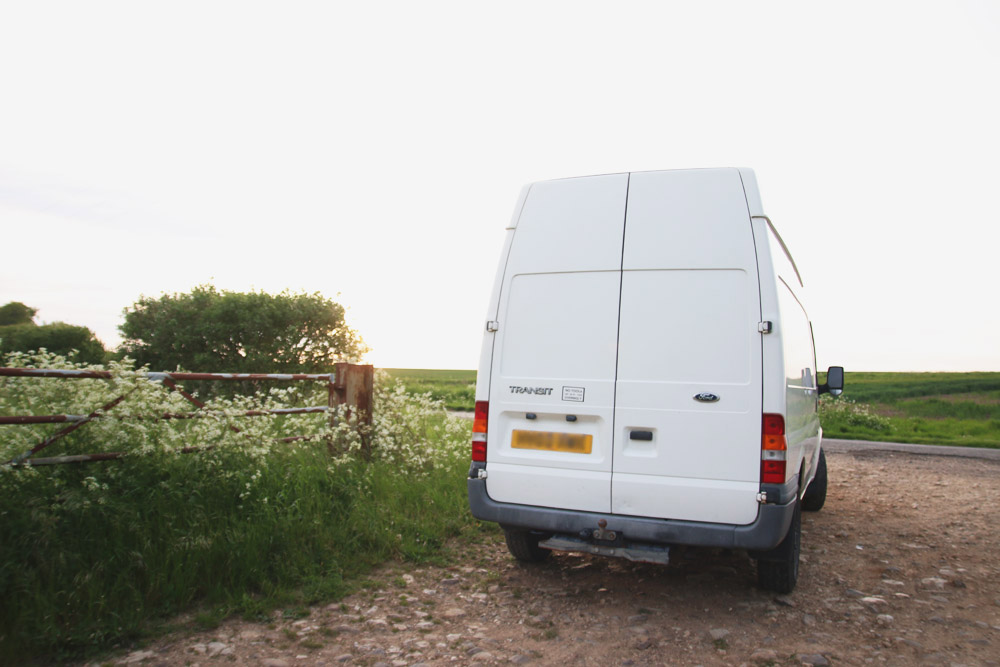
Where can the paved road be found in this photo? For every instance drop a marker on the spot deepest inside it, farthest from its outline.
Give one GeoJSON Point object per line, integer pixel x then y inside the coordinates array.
{"type": "Point", "coordinates": [834, 445]}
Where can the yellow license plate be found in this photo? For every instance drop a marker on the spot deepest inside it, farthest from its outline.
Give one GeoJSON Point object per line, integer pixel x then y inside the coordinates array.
{"type": "Point", "coordinates": [576, 443]}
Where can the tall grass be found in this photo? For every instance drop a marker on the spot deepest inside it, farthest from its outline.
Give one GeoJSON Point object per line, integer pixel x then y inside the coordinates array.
{"type": "Point", "coordinates": [96, 554]}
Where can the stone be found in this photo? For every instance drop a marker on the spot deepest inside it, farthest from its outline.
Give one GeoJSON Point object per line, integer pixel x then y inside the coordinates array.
{"type": "Point", "coordinates": [784, 601]}
{"type": "Point", "coordinates": [521, 659]}
{"type": "Point", "coordinates": [814, 659]}
{"type": "Point", "coordinates": [449, 582]}
{"type": "Point", "coordinates": [482, 657]}
{"type": "Point", "coordinates": [138, 656]}
{"type": "Point", "coordinates": [808, 619]}
{"type": "Point", "coordinates": [274, 662]}
{"type": "Point", "coordinates": [644, 644]}
{"type": "Point", "coordinates": [936, 583]}
{"type": "Point", "coordinates": [200, 649]}
{"type": "Point", "coordinates": [408, 579]}
{"type": "Point", "coordinates": [854, 593]}
{"type": "Point", "coordinates": [884, 619]}
{"type": "Point", "coordinates": [454, 612]}
{"type": "Point", "coordinates": [764, 655]}
{"type": "Point", "coordinates": [718, 633]}
{"type": "Point", "coordinates": [343, 657]}
{"type": "Point", "coordinates": [215, 648]}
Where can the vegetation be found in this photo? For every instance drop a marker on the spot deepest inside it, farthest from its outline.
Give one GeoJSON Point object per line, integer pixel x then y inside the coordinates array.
{"type": "Point", "coordinates": [457, 389]}
{"type": "Point", "coordinates": [93, 555]}
{"type": "Point", "coordinates": [924, 408]}
{"type": "Point", "coordinates": [244, 332]}
{"type": "Point", "coordinates": [19, 333]}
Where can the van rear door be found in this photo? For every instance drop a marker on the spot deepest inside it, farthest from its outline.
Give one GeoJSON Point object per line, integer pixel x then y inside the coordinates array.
{"type": "Point", "coordinates": [690, 308]}
{"type": "Point", "coordinates": [553, 368]}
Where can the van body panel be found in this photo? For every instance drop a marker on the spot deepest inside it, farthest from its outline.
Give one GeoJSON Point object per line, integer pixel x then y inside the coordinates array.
{"type": "Point", "coordinates": [709, 500]}
{"type": "Point", "coordinates": [553, 363]}
{"type": "Point", "coordinates": [690, 306]}
{"type": "Point", "coordinates": [537, 486]}
{"type": "Point", "coordinates": [486, 350]}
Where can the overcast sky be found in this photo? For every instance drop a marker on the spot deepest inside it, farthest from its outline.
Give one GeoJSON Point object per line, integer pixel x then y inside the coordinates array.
{"type": "Point", "coordinates": [373, 151]}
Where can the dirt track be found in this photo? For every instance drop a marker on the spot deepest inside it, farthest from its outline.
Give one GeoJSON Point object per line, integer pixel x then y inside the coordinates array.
{"type": "Point", "coordinates": [902, 566]}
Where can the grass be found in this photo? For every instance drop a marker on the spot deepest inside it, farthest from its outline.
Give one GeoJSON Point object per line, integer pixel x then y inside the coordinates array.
{"type": "Point", "coordinates": [456, 388]}
{"type": "Point", "coordinates": [76, 578]}
{"type": "Point", "coordinates": [105, 554]}
{"type": "Point", "coordinates": [923, 408]}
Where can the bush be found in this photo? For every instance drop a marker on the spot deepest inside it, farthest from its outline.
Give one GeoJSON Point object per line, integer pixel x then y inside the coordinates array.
{"type": "Point", "coordinates": [836, 413]}
{"type": "Point", "coordinates": [59, 338]}
{"type": "Point", "coordinates": [90, 554]}
{"type": "Point", "coordinates": [242, 332]}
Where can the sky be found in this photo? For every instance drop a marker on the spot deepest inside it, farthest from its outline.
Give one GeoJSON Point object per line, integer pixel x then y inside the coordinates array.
{"type": "Point", "coordinates": [374, 151]}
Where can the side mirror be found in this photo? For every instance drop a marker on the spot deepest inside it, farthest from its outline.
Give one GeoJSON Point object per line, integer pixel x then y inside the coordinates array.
{"type": "Point", "coordinates": [834, 381]}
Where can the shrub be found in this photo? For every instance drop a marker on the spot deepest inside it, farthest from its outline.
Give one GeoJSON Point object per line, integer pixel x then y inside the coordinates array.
{"type": "Point", "coordinates": [90, 553]}
{"type": "Point", "coordinates": [838, 412]}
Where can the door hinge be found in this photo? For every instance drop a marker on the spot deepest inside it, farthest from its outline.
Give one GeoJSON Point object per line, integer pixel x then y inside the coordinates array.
{"type": "Point", "coordinates": [492, 325]}
{"type": "Point", "coordinates": [765, 327]}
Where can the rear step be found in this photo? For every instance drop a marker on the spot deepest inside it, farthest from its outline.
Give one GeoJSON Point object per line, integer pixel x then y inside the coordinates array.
{"type": "Point", "coordinates": [646, 553]}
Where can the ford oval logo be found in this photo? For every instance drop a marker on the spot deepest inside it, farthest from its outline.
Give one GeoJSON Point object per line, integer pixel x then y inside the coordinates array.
{"type": "Point", "coordinates": [706, 397]}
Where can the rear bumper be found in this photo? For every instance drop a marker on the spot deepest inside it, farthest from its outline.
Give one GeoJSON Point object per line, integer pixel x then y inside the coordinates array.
{"type": "Point", "coordinates": [763, 534]}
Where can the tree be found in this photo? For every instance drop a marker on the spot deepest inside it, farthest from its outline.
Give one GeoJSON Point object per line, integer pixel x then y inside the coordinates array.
{"type": "Point", "coordinates": [16, 312]}
{"type": "Point", "coordinates": [243, 332]}
{"type": "Point", "coordinates": [58, 337]}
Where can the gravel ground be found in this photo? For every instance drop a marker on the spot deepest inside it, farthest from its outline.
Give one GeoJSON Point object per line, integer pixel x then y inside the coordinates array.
{"type": "Point", "coordinates": [902, 566]}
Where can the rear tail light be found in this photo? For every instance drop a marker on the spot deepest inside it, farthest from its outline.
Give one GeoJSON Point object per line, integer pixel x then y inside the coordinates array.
{"type": "Point", "coordinates": [773, 449]}
{"type": "Point", "coordinates": [479, 431]}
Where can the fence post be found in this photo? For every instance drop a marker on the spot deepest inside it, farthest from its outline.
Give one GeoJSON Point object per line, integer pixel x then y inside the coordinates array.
{"type": "Point", "coordinates": [353, 386]}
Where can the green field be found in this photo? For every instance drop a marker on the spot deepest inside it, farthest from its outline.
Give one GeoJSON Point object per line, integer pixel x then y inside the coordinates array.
{"type": "Point", "coordinates": [924, 408]}
{"type": "Point", "coordinates": [456, 388]}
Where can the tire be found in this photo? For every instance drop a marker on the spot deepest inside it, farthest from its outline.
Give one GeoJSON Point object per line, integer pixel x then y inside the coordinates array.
{"type": "Point", "coordinates": [778, 569]}
{"type": "Point", "coordinates": [815, 496]}
{"type": "Point", "coordinates": [524, 546]}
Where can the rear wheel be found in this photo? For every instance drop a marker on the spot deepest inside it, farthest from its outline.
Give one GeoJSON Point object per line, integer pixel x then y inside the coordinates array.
{"type": "Point", "coordinates": [815, 496]}
{"type": "Point", "coordinates": [778, 569]}
{"type": "Point", "coordinates": [524, 546]}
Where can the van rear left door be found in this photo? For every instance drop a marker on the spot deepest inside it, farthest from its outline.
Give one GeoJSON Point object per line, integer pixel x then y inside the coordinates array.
{"type": "Point", "coordinates": [552, 375]}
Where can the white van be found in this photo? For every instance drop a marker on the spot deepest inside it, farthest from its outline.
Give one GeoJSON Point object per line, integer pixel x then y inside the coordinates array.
{"type": "Point", "coordinates": [647, 376]}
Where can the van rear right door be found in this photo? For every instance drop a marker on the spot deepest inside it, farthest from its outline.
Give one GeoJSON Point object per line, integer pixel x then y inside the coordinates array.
{"type": "Point", "coordinates": [690, 306]}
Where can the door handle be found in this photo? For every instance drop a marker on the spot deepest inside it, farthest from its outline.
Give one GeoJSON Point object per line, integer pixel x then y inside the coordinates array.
{"type": "Point", "coordinates": [640, 435]}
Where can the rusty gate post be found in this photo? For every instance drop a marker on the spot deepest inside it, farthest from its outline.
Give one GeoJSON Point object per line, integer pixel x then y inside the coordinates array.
{"type": "Point", "coordinates": [353, 386]}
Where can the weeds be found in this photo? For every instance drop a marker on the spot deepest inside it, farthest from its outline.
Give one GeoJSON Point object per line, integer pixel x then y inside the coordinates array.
{"type": "Point", "coordinates": [92, 554]}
